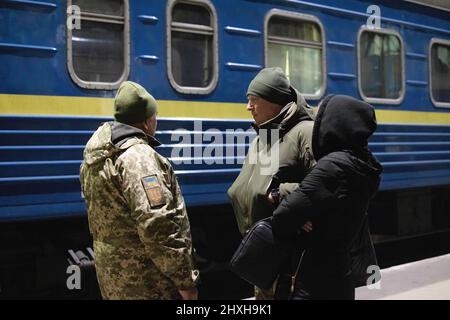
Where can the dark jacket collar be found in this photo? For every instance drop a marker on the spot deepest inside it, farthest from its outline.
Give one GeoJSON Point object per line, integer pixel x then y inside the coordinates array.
{"type": "Point", "coordinates": [292, 114]}
{"type": "Point", "coordinates": [122, 132]}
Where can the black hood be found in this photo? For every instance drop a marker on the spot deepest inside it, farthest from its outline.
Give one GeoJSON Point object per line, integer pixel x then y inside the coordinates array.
{"type": "Point", "coordinates": [342, 123]}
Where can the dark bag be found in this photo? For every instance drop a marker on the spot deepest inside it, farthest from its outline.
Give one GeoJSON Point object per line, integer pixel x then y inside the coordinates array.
{"type": "Point", "coordinates": [362, 255]}
{"type": "Point", "coordinates": [258, 259]}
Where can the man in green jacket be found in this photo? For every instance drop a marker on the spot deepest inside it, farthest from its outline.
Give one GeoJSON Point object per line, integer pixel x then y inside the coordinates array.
{"type": "Point", "coordinates": [137, 215]}
{"type": "Point", "coordinates": [279, 157]}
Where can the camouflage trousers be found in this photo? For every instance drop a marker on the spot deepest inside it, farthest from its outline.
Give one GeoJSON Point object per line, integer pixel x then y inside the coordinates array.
{"type": "Point", "coordinates": [122, 276]}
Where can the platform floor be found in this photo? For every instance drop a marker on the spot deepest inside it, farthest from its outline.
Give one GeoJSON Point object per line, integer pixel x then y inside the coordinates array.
{"type": "Point", "coordinates": [427, 279]}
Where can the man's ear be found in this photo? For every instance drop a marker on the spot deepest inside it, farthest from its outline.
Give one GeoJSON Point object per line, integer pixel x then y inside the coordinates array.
{"type": "Point", "coordinates": [145, 125]}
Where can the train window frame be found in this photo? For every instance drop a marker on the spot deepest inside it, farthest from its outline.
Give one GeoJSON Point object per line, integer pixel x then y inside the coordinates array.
{"type": "Point", "coordinates": [215, 50]}
{"type": "Point", "coordinates": [396, 101]}
{"type": "Point", "coordinates": [300, 17]}
{"type": "Point", "coordinates": [436, 103]}
{"type": "Point", "coordinates": [126, 43]}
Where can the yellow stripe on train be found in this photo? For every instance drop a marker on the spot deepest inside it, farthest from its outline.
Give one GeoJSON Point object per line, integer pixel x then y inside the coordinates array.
{"type": "Point", "coordinates": [87, 106]}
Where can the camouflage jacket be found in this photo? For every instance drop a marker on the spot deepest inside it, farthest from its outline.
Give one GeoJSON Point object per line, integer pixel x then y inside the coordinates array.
{"type": "Point", "coordinates": [137, 216]}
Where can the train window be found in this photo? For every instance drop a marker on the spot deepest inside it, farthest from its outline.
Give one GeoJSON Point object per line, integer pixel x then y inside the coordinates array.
{"type": "Point", "coordinates": [381, 66]}
{"type": "Point", "coordinates": [294, 42]}
{"type": "Point", "coordinates": [440, 72]}
{"type": "Point", "coordinates": [192, 46]}
{"type": "Point", "coordinates": [98, 51]}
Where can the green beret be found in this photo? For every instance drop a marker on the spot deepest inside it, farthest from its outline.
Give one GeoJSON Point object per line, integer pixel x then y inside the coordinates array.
{"type": "Point", "coordinates": [272, 85]}
{"type": "Point", "coordinates": [133, 104]}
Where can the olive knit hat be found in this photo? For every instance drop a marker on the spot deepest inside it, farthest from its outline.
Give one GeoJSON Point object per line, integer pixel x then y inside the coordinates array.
{"type": "Point", "coordinates": [133, 104]}
{"type": "Point", "coordinates": [272, 85]}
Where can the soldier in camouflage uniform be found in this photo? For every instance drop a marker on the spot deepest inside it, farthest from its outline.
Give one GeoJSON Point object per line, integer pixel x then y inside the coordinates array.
{"type": "Point", "coordinates": [137, 215]}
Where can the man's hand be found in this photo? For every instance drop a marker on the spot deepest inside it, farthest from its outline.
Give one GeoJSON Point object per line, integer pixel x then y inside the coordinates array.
{"type": "Point", "coordinates": [270, 198]}
{"type": "Point", "coordinates": [274, 196]}
{"type": "Point", "coordinates": [189, 294]}
{"type": "Point", "coordinates": [307, 227]}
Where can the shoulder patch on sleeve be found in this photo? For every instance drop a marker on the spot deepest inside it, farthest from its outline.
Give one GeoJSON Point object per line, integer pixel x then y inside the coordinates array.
{"type": "Point", "coordinates": [154, 191]}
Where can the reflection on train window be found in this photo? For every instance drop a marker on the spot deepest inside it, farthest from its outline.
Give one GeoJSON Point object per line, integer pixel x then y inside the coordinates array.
{"type": "Point", "coordinates": [192, 55]}
{"type": "Point", "coordinates": [440, 73]}
{"type": "Point", "coordinates": [380, 66]}
{"type": "Point", "coordinates": [108, 7]}
{"type": "Point", "coordinates": [296, 45]}
{"type": "Point", "coordinates": [98, 51]}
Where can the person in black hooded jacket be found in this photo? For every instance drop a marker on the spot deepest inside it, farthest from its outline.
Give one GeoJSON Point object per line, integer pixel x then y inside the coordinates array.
{"type": "Point", "coordinates": [334, 196]}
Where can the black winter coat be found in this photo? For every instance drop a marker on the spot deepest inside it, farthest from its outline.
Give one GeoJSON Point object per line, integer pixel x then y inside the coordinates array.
{"type": "Point", "coordinates": [334, 196]}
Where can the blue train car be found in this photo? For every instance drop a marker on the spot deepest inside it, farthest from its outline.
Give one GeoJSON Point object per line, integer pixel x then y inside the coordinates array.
{"type": "Point", "coordinates": [61, 62]}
